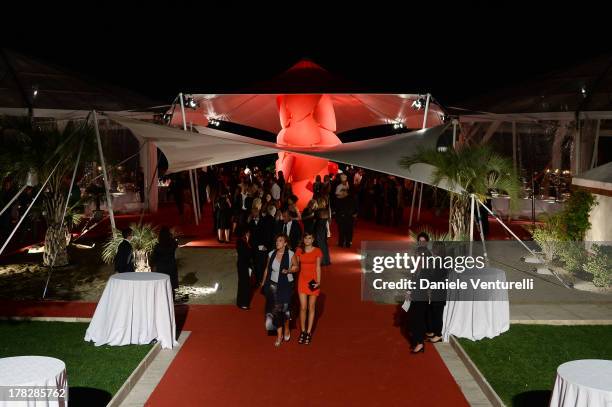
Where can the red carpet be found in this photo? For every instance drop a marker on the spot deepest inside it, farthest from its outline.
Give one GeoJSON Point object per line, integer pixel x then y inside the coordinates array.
{"type": "Point", "coordinates": [357, 357]}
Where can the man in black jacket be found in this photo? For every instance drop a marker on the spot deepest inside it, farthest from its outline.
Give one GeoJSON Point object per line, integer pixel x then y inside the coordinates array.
{"type": "Point", "coordinates": [124, 260]}
{"type": "Point", "coordinates": [346, 212]}
{"type": "Point", "coordinates": [259, 227]}
{"type": "Point", "coordinates": [290, 227]}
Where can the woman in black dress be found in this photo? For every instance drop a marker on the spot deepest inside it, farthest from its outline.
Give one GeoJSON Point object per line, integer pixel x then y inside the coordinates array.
{"type": "Point", "coordinates": [244, 251]}
{"type": "Point", "coordinates": [419, 300]}
{"type": "Point", "coordinates": [164, 256]}
{"type": "Point", "coordinates": [309, 216]}
{"type": "Point", "coordinates": [223, 217]}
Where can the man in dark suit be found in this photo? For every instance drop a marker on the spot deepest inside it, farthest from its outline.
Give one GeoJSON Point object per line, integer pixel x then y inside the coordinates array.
{"type": "Point", "coordinates": [260, 243]}
{"type": "Point", "coordinates": [290, 227]}
{"type": "Point", "coordinates": [124, 260]}
{"type": "Point", "coordinates": [346, 212]}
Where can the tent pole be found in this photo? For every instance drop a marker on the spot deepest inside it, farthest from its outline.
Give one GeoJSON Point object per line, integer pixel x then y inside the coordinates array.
{"type": "Point", "coordinates": [193, 196]}
{"type": "Point", "coordinates": [426, 110]}
{"type": "Point", "coordinates": [109, 202]}
{"type": "Point", "coordinates": [595, 145]}
{"type": "Point", "coordinates": [471, 222]}
{"type": "Point", "coordinates": [13, 199]}
{"type": "Point", "coordinates": [454, 132]}
{"type": "Point", "coordinates": [508, 229]}
{"type": "Point", "coordinates": [482, 236]}
{"type": "Point", "coordinates": [414, 191]}
{"type": "Point", "coordinates": [420, 199]}
{"type": "Point", "coordinates": [514, 145]}
{"type": "Point", "coordinates": [197, 190]}
{"type": "Point", "coordinates": [42, 188]}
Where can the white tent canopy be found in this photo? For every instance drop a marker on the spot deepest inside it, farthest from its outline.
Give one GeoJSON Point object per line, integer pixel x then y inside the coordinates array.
{"type": "Point", "coordinates": [187, 150]}
{"type": "Point", "coordinates": [352, 111]}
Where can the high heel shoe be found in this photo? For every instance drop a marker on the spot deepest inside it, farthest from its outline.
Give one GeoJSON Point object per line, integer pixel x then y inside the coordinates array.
{"type": "Point", "coordinates": [422, 350]}
{"type": "Point", "coordinates": [278, 342]}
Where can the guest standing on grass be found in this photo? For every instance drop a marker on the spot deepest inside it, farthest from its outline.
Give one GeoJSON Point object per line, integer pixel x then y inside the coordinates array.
{"type": "Point", "coordinates": [278, 288]}
{"type": "Point", "coordinates": [243, 249]}
{"type": "Point", "coordinates": [309, 282]}
{"type": "Point", "coordinates": [164, 256]}
{"type": "Point", "coordinates": [124, 260]}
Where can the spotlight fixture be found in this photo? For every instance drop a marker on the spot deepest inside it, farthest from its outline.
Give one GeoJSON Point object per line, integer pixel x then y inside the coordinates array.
{"type": "Point", "coordinates": [190, 102]}
{"type": "Point", "coordinates": [214, 122]}
{"type": "Point", "coordinates": [419, 103]}
{"type": "Point", "coordinates": [34, 91]}
{"type": "Point", "coordinates": [583, 91]}
{"type": "Point", "coordinates": [166, 117]}
{"type": "Point", "coordinates": [398, 125]}
{"type": "Point", "coordinates": [444, 117]}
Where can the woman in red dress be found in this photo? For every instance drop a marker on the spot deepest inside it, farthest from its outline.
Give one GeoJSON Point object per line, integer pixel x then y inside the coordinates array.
{"type": "Point", "coordinates": [309, 281]}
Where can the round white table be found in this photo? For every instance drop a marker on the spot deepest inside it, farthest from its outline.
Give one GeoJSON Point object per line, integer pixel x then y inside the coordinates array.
{"type": "Point", "coordinates": [476, 314]}
{"type": "Point", "coordinates": [135, 308]}
{"type": "Point", "coordinates": [33, 381]}
{"type": "Point", "coordinates": [583, 383]}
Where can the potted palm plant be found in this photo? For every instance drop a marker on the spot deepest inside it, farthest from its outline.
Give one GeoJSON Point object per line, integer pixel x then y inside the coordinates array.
{"type": "Point", "coordinates": [144, 239]}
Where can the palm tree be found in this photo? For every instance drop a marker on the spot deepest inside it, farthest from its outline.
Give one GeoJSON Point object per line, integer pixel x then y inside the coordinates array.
{"type": "Point", "coordinates": [27, 149]}
{"type": "Point", "coordinates": [477, 169]}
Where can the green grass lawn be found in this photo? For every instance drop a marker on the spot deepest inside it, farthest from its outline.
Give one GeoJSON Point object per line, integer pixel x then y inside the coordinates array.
{"type": "Point", "coordinates": [94, 373]}
{"type": "Point", "coordinates": [521, 364]}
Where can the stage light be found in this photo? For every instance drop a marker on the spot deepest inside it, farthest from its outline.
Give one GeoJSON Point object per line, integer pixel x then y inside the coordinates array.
{"type": "Point", "coordinates": [444, 118]}
{"type": "Point", "coordinates": [214, 122]}
{"type": "Point", "coordinates": [583, 90]}
{"type": "Point", "coordinates": [398, 125]}
{"type": "Point", "coordinates": [35, 91]}
{"type": "Point", "coordinates": [190, 102]}
{"type": "Point", "coordinates": [419, 103]}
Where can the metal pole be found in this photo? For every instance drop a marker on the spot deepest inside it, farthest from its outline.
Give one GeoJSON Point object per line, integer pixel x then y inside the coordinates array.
{"type": "Point", "coordinates": [13, 199]}
{"type": "Point", "coordinates": [193, 197]}
{"type": "Point", "coordinates": [42, 188]}
{"type": "Point", "coordinates": [482, 236]}
{"type": "Point", "coordinates": [426, 110]}
{"type": "Point", "coordinates": [454, 132]}
{"type": "Point", "coordinates": [595, 145]}
{"type": "Point", "coordinates": [514, 145]}
{"type": "Point", "coordinates": [420, 198]}
{"type": "Point", "coordinates": [197, 189]}
{"type": "Point", "coordinates": [508, 229]}
{"type": "Point", "coordinates": [532, 200]}
{"type": "Point", "coordinates": [472, 219]}
{"type": "Point", "coordinates": [414, 191]}
{"type": "Point", "coordinates": [109, 202]}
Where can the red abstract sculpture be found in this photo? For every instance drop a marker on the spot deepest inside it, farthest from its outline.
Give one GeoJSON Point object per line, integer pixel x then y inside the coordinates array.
{"type": "Point", "coordinates": [306, 121]}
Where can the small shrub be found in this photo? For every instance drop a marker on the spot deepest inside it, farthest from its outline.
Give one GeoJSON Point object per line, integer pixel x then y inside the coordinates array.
{"type": "Point", "coordinates": [573, 255]}
{"type": "Point", "coordinates": [547, 237]}
{"type": "Point", "coordinates": [599, 264]}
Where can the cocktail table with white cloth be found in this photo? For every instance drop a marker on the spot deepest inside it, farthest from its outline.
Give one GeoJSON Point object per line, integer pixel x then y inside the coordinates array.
{"type": "Point", "coordinates": [583, 383]}
{"type": "Point", "coordinates": [19, 374]}
{"type": "Point", "coordinates": [135, 308]}
{"type": "Point", "coordinates": [476, 314]}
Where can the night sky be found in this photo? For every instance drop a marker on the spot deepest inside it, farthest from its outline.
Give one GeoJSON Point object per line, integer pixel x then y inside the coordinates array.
{"type": "Point", "coordinates": [454, 54]}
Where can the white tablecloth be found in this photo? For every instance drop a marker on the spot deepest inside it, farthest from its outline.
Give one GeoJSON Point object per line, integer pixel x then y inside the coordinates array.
{"type": "Point", "coordinates": [135, 308]}
{"type": "Point", "coordinates": [583, 383]}
{"type": "Point", "coordinates": [43, 371]}
{"type": "Point", "coordinates": [467, 315]}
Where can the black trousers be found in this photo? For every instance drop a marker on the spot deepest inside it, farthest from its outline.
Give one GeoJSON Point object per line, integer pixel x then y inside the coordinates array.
{"type": "Point", "coordinates": [345, 230]}
{"type": "Point", "coordinates": [417, 324]}
{"type": "Point", "coordinates": [260, 257]}
{"type": "Point", "coordinates": [434, 317]}
{"type": "Point", "coordinates": [243, 298]}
